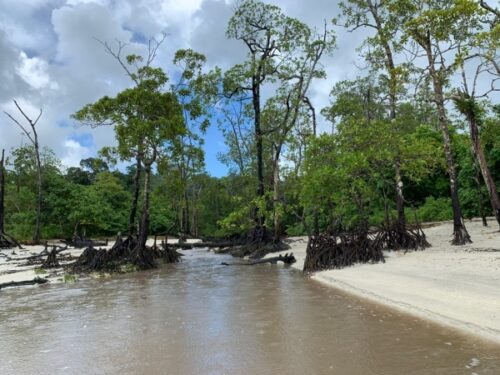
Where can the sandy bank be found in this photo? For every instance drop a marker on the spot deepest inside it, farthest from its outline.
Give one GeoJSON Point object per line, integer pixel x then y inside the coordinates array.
{"type": "Point", "coordinates": [455, 286]}
{"type": "Point", "coordinates": [13, 267]}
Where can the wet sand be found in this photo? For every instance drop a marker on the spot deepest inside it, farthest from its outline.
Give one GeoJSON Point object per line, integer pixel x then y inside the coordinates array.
{"type": "Point", "coordinates": [456, 286]}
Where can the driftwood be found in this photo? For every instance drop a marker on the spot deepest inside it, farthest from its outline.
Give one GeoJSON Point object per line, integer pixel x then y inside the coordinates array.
{"type": "Point", "coordinates": [286, 259]}
{"type": "Point", "coordinates": [258, 243]}
{"type": "Point", "coordinates": [36, 280]}
{"type": "Point", "coordinates": [82, 242]}
{"type": "Point", "coordinates": [36, 258]}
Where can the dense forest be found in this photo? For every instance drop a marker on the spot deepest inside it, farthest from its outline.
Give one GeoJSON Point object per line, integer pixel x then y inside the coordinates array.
{"type": "Point", "coordinates": [415, 138]}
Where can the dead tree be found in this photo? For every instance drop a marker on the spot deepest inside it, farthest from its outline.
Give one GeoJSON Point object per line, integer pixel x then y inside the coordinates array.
{"type": "Point", "coordinates": [33, 137]}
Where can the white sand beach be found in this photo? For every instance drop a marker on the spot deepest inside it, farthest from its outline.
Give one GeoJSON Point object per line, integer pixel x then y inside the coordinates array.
{"type": "Point", "coordinates": [457, 286]}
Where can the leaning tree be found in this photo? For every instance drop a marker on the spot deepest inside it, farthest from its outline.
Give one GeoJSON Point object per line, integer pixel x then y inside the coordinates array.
{"type": "Point", "coordinates": [272, 40]}
{"type": "Point", "coordinates": [146, 118]}
{"type": "Point", "coordinates": [438, 28]}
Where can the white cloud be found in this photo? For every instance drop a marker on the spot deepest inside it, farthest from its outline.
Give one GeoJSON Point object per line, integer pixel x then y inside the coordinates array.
{"type": "Point", "coordinates": [51, 60]}
{"type": "Point", "coordinates": [74, 152]}
{"type": "Point", "coordinates": [34, 71]}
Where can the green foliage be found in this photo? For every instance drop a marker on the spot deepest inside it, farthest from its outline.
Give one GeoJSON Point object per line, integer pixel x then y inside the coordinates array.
{"type": "Point", "coordinates": [434, 209]}
{"type": "Point", "coordinates": [128, 268]}
{"type": "Point", "coordinates": [69, 278]}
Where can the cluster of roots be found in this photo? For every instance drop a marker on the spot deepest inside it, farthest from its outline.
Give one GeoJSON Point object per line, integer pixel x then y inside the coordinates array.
{"type": "Point", "coordinates": [257, 244]}
{"type": "Point", "coordinates": [460, 236]}
{"type": "Point", "coordinates": [402, 237]}
{"type": "Point", "coordinates": [339, 250]}
{"type": "Point", "coordinates": [7, 242]}
{"type": "Point", "coordinates": [125, 252]}
{"type": "Point", "coordinates": [330, 251]}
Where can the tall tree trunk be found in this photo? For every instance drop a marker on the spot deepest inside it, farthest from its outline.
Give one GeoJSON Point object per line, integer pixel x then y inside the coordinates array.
{"type": "Point", "coordinates": [478, 153]}
{"type": "Point", "coordinates": [142, 256]}
{"type": "Point", "coordinates": [390, 67]}
{"type": "Point", "coordinates": [36, 233]}
{"type": "Point", "coordinates": [260, 219]}
{"type": "Point", "coordinates": [400, 205]}
{"type": "Point", "coordinates": [144, 227]}
{"type": "Point", "coordinates": [477, 180]}
{"type": "Point", "coordinates": [187, 226]}
{"type": "Point", "coordinates": [135, 198]}
{"type": "Point", "coordinates": [460, 234]}
{"type": "Point", "coordinates": [276, 192]}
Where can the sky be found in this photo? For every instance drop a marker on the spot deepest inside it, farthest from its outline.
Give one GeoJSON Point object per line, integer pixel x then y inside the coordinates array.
{"type": "Point", "coordinates": [51, 60]}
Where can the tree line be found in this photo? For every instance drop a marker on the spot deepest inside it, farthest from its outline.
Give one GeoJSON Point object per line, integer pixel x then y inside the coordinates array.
{"type": "Point", "coordinates": [416, 137]}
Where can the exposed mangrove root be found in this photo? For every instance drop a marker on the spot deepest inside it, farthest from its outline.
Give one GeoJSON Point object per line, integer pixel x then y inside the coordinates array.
{"type": "Point", "coordinates": [342, 250]}
{"type": "Point", "coordinates": [142, 257]}
{"type": "Point", "coordinates": [120, 254]}
{"type": "Point", "coordinates": [122, 248]}
{"type": "Point", "coordinates": [36, 280]}
{"type": "Point", "coordinates": [402, 237]}
{"type": "Point", "coordinates": [8, 242]}
{"type": "Point", "coordinates": [166, 252]}
{"type": "Point", "coordinates": [37, 258]}
{"type": "Point", "coordinates": [51, 261]}
{"type": "Point", "coordinates": [286, 259]}
{"type": "Point", "coordinates": [460, 236]}
{"type": "Point", "coordinates": [91, 260]}
{"type": "Point", "coordinates": [258, 244]}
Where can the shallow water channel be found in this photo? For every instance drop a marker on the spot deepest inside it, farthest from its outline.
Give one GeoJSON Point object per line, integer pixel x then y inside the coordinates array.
{"type": "Point", "coordinates": [199, 317]}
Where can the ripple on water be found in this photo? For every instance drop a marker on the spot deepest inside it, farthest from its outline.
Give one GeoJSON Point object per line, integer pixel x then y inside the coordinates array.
{"type": "Point", "coordinates": [200, 317]}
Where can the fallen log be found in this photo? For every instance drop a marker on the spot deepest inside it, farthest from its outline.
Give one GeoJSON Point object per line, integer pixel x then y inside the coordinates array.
{"type": "Point", "coordinates": [286, 259]}
{"type": "Point", "coordinates": [8, 242]}
{"type": "Point", "coordinates": [36, 280]}
{"type": "Point", "coordinates": [84, 243]}
{"type": "Point", "coordinates": [33, 258]}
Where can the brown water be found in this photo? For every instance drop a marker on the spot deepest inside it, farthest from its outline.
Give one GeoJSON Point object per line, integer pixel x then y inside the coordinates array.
{"type": "Point", "coordinates": [202, 318]}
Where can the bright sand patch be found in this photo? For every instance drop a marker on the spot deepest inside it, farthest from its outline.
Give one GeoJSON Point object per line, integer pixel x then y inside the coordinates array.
{"type": "Point", "coordinates": [458, 286]}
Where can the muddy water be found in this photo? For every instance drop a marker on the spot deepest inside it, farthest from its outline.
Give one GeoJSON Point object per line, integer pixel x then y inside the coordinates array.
{"type": "Point", "coordinates": [202, 318]}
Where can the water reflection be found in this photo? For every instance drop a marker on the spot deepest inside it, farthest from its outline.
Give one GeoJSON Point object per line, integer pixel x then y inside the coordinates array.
{"type": "Point", "coordinates": [202, 318]}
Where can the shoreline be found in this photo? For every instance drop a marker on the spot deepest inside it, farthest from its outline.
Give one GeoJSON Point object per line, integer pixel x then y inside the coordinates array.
{"type": "Point", "coordinates": [17, 270]}
{"type": "Point", "coordinates": [454, 286]}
